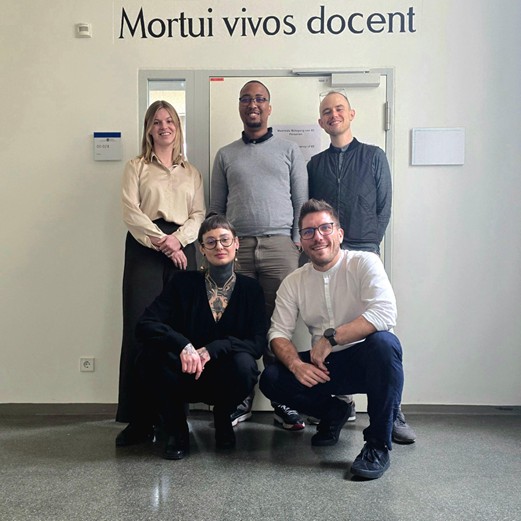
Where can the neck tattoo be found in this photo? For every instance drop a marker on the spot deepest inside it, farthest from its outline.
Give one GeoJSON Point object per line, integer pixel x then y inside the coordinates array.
{"type": "Point", "coordinates": [219, 293]}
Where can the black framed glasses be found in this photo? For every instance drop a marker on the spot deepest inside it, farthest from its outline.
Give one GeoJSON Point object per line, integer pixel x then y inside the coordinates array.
{"type": "Point", "coordinates": [246, 100]}
{"type": "Point", "coordinates": [324, 229]}
{"type": "Point", "coordinates": [211, 243]}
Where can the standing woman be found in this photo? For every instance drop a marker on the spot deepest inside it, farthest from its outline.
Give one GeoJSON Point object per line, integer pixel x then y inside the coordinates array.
{"type": "Point", "coordinates": [163, 208]}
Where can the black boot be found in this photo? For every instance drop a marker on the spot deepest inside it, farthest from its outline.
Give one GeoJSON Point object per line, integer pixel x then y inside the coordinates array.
{"type": "Point", "coordinates": [177, 444]}
{"type": "Point", "coordinates": [224, 435]}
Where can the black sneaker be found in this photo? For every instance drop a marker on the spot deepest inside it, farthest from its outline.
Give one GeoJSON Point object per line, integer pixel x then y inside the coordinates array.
{"type": "Point", "coordinates": [328, 431]}
{"type": "Point", "coordinates": [371, 463]}
{"type": "Point", "coordinates": [351, 418]}
{"type": "Point", "coordinates": [290, 419]}
{"type": "Point", "coordinates": [402, 431]}
{"type": "Point", "coordinates": [243, 411]}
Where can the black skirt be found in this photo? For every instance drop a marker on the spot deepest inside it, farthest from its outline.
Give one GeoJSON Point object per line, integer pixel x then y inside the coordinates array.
{"type": "Point", "coordinates": [145, 274]}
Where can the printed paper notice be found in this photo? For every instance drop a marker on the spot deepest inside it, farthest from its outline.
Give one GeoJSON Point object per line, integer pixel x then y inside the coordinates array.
{"type": "Point", "coordinates": [307, 137]}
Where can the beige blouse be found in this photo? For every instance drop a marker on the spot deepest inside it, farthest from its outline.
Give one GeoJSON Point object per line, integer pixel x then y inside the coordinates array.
{"type": "Point", "coordinates": [151, 191]}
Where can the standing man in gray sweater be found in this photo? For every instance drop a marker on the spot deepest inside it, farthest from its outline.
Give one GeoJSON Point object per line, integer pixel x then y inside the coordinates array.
{"type": "Point", "coordinates": [260, 182]}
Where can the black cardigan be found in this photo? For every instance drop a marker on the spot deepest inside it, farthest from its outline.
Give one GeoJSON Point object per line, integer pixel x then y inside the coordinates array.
{"type": "Point", "coordinates": [182, 315]}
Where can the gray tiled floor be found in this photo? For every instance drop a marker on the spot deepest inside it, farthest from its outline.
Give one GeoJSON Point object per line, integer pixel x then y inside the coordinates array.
{"type": "Point", "coordinates": [65, 467]}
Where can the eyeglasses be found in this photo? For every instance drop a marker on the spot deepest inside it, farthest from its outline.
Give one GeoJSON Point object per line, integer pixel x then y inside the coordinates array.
{"type": "Point", "coordinates": [246, 100]}
{"type": "Point", "coordinates": [324, 229]}
{"type": "Point", "coordinates": [211, 244]}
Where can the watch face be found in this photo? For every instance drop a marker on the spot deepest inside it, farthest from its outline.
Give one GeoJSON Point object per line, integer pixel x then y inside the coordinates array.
{"type": "Point", "coordinates": [329, 333]}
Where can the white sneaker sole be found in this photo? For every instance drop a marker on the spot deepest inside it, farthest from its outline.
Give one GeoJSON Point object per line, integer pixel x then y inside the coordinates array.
{"type": "Point", "coordinates": [244, 417]}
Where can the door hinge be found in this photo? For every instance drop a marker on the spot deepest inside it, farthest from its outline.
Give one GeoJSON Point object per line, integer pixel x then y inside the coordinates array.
{"type": "Point", "coordinates": [387, 117]}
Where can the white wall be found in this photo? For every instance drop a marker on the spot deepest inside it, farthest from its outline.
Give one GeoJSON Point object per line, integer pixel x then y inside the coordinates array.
{"type": "Point", "coordinates": [456, 238]}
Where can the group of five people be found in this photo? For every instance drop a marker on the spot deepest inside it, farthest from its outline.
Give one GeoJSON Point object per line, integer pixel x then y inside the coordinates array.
{"type": "Point", "coordinates": [199, 340]}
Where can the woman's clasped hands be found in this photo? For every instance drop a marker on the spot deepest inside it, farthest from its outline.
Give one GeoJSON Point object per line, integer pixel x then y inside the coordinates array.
{"type": "Point", "coordinates": [193, 360]}
{"type": "Point", "coordinates": [172, 248]}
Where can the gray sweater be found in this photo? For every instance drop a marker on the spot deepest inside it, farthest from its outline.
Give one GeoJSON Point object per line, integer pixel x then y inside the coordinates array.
{"type": "Point", "coordinates": [260, 186]}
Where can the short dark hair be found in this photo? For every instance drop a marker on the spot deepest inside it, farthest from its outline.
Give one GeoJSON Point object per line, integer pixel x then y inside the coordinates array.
{"type": "Point", "coordinates": [260, 83]}
{"type": "Point", "coordinates": [315, 205]}
{"type": "Point", "coordinates": [213, 222]}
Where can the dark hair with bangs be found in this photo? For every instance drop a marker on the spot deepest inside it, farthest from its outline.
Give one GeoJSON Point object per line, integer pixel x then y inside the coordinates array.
{"type": "Point", "coordinates": [212, 223]}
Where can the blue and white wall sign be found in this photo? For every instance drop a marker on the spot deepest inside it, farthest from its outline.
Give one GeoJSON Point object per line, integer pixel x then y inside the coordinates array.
{"type": "Point", "coordinates": [107, 146]}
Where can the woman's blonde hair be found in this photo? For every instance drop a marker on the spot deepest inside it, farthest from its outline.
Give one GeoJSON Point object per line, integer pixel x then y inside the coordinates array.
{"type": "Point", "coordinates": [147, 144]}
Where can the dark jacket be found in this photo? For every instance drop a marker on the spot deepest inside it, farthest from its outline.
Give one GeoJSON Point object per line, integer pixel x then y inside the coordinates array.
{"type": "Point", "coordinates": [360, 191]}
{"type": "Point", "coordinates": [182, 315]}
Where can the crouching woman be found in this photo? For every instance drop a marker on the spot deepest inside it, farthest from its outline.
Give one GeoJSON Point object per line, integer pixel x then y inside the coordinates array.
{"type": "Point", "coordinates": [201, 338]}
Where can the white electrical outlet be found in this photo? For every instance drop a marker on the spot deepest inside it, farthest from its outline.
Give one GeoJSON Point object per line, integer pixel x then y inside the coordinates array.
{"type": "Point", "coordinates": [86, 364]}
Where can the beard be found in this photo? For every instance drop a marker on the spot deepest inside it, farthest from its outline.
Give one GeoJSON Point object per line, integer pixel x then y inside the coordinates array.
{"type": "Point", "coordinates": [253, 124]}
{"type": "Point", "coordinates": [321, 261]}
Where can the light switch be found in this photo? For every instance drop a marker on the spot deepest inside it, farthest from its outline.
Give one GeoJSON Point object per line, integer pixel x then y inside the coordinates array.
{"type": "Point", "coordinates": [83, 30]}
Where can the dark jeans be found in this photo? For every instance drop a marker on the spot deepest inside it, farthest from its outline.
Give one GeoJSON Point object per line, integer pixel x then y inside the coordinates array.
{"type": "Point", "coordinates": [372, 367]}
{"type": "Point", "coordinates": [224, 383]}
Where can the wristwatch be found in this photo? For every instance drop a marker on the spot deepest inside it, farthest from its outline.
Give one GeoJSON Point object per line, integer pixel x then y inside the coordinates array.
{"type": "Point", "coordinates": [330, 335]}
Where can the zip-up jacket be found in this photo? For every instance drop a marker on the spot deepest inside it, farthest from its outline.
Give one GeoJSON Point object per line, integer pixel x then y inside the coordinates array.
{"type": "Point", "coordinates": [358, 185]}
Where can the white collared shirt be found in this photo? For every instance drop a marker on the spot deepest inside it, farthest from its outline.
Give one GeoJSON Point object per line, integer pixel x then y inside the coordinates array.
{"type": "Point", "coordinates": [356, 285]}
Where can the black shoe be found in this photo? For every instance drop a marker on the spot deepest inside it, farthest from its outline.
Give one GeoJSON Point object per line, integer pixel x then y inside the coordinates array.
{"type": "Point", "coordinates": [371, 463]}
{"type": "Point", "coordinates": [402, 431]}
{"type": "Point", "coordinates": [224, 435]}
{"type": "Point", "coordinates": [225, 441]}
{"type": "Point", "coordinates": [176, 447]}
{"type": "Point", "coordinates": [328, 430]}
{"type": "Point", "coordinates": [133, 434]}
{"type": "Point", "coordinates": [243, 411]}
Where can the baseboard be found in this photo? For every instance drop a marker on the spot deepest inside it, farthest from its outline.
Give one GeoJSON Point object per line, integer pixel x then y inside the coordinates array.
{"type": "Point", "coordinates": [59, 409]}
{"type": "Point", "coordinates": [109, 409]}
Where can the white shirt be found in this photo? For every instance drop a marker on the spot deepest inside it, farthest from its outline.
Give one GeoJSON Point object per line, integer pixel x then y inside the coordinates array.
{"type": "Point", "coordinates": [356, 285]}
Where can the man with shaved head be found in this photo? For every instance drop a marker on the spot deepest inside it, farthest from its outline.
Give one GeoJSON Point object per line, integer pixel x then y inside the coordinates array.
{"type": "Point", "coordinates": [355, 179]}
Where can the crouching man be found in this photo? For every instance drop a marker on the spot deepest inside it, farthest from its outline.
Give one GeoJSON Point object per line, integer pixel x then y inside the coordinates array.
{"type": "Point", "coordinates": [346, 300]}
